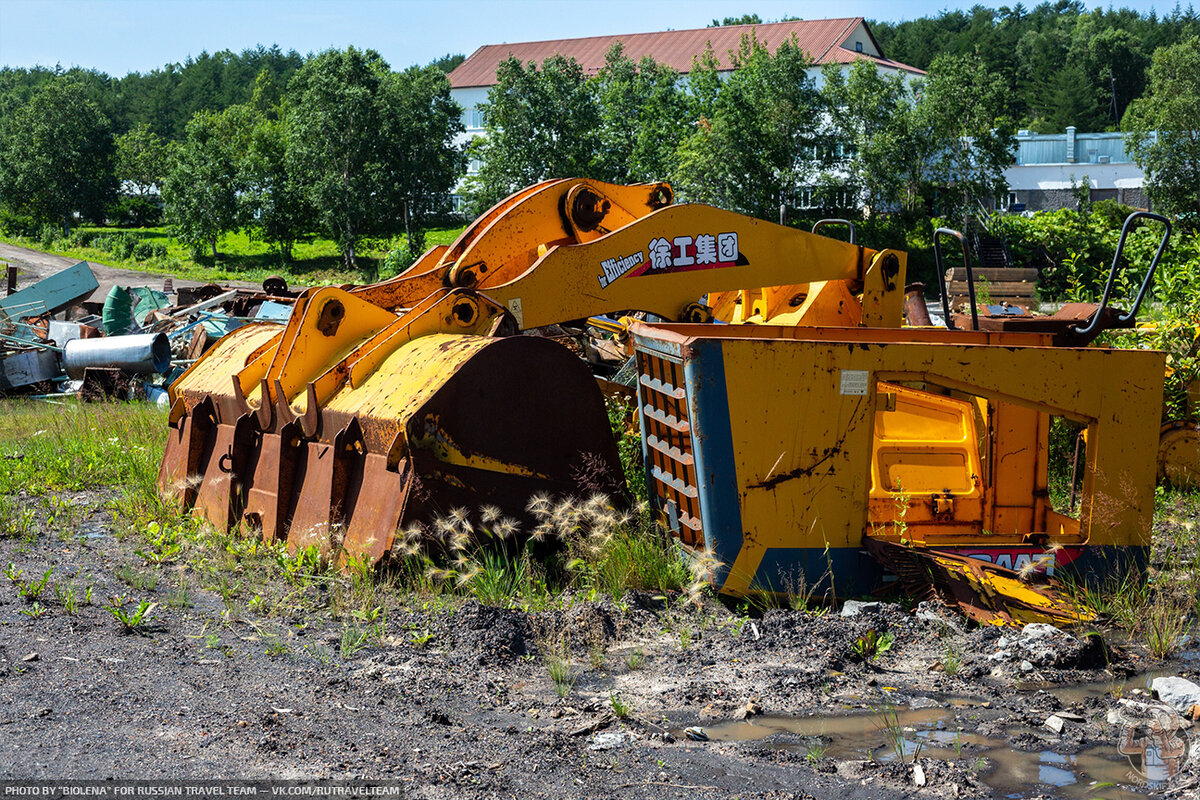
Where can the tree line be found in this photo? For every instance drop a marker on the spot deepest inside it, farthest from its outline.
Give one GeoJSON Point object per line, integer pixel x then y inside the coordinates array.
{"type": "Point", "coordinates": [166, 99]}
{"type": "Point", "coordinates": [1060, 63]}
{"type": "Point", "coordinates": [350, 149]}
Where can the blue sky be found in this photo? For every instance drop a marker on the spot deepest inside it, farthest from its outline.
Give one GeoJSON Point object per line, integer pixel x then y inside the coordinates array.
{"type": "Point", "coordinates": [120, 36]}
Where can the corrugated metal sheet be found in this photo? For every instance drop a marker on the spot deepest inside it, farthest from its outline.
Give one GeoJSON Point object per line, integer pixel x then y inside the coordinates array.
{"type": "Point", "coordinates": [1042, 150]}
{"type": "Point", "coordinates": [1090, 148]}
{"type": "Point", "coordinates": [820, 38]}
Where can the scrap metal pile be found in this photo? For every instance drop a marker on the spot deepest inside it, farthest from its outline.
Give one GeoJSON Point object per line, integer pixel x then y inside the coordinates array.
{"type": "Point", "coordinates": [56, 341]}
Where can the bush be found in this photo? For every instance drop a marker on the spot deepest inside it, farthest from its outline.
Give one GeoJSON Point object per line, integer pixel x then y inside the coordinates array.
{"type": "Point", "coordinates": [395, 262]}
{"type": "Point", "coordinates": [1111, 213]}
{"type": "Point", "coordinates": [120, 245]}
{"type": "Point", "coordinates": [123, 244]}
{"type": "Point", "coordinates": [18, 225]}
{"type": "Point", "coordinates": [48, 236]}
{"type": "Point", "coordinates": [81, 238]}
{"type": "Point", "coordinates": [147, 250]}
{"type": "Point", "coordinates": [1075, 251]}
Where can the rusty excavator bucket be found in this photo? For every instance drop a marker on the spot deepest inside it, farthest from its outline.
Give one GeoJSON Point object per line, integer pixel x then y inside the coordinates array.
{"type": "Point", "coordinates": [346, 419]}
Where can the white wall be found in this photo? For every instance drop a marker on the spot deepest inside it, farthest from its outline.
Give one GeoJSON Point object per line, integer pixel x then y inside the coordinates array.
{"type": "Point", "coordinates": [1048, 177]}
{"type": "Point", "coordinates": [470, 100]}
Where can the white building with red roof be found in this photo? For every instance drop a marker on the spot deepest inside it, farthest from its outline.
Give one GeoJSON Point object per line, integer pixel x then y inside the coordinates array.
{"type": "Point", "coordinates": [827, 41]}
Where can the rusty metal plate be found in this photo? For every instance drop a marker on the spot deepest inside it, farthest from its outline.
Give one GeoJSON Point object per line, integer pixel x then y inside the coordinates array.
{"type": "Point", "coordinates": [377, 505]}
{"type": "Point", "coordinates": [984, 592]}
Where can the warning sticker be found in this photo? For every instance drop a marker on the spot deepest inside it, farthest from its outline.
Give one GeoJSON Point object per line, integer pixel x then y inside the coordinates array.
{"type": "Point", "coordinates": [854, 381]}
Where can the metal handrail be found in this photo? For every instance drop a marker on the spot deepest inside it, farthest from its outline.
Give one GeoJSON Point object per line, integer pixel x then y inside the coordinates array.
{"type": "Point", "coordinates": [1112, 273]}
{"type": "Point", "coordinates": [821, 223]}
{"type": "Point", "coordinates": [937, 260]}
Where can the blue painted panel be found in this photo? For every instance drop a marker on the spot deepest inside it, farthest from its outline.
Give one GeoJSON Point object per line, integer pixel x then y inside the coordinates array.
{"type": "Point", "coordinates": [55, 292]}
{"type": "Point", "coordinates": [842, 571]}
{"type": "Point", "coordinates": [712, 447]}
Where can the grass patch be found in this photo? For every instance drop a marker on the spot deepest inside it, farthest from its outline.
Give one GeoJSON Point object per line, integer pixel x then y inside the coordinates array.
{"type": "Point", "coordinates": [586, 547]}
{"type": "Point", "coordinates": [74, 446]}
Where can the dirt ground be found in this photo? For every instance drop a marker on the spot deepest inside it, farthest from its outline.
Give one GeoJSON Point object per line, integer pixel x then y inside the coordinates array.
{"type": "Point", "coordinates": [455, 699]}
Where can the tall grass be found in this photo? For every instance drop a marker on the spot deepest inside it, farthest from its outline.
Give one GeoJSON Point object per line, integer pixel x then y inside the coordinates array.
{"type": "Point", "coordinates": [72, 446]}
{"type": "Point", "coordinates": [587, 545]}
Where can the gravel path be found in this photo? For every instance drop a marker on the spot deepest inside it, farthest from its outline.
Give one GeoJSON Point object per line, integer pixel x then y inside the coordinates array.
{"type": "Point", "coordinates": [33, 265]}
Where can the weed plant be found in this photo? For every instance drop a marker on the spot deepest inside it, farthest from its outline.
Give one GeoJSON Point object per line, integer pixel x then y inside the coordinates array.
{"type": "Point", "coordinates": [32, 590]}
{"type": "Point", "coordinates": [134, 621]}
{"type": "Point", "coordinates": [887, 720]}
{"type": "Point", "coordinates": [622, 709]}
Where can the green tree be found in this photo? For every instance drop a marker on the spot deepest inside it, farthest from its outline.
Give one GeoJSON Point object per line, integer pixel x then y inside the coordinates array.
{"type": "Point", "coordinates": [448, 62]}
{"type": "Point", "coordinates": [759, 136]}
{"type": "Point", "coordinates": [871, 115]}
{"type": "Point", "coordinates": [202, 189]}
{"type": "Point", "coordinates": [960, 112]}
{"type": "Point", "coordinates": [142, 160]}
{"type": "Point", "coordinates": [272, 205]}
{"type": "Point", "coordinates": [421, 124]}
{"type": "Point", "coordinates": [744, 19]}
{"type": "Point", "coordinates": [643, 118]}
{"type": "Point", "coordinates": [538, 124]}
{"type": "Point", "coordinates": [370, 148]}
{"type": "Point", "coordinates": [1163, 130]}
{"type": "Point", "coordinates": [56, 155]}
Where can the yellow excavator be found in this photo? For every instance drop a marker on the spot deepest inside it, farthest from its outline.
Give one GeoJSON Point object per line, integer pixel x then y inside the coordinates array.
{"type": "Point", "coordinates": [379, 405]}
{"type": "Point", "coordinates": [786, 415]}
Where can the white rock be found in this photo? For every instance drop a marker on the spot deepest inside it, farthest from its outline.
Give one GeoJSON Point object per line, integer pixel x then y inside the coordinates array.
{"type": "Point", "coordinates": [1055, 723]}
{"type": "Point", "coordinates": [607, 741]}
{"type": "Point", "coordinates": [1179, 693]}
{"type": "Point", "coordinates": [1026, 666]}
{"type": "Point", "coordinates": [918, 775]}
{"type": "Point", "coordinates": [1041, 630]}
{"type": "Point", "coordinates": [852, 608]}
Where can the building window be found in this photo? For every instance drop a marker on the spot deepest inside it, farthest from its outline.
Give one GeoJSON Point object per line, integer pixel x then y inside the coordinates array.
{"type": "Point", "coordinates": [472, 118]}
{"type": "Point", "coordinates": [858, 47]}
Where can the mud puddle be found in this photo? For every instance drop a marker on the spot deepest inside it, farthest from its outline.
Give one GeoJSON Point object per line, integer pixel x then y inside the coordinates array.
{"type": "Point", "coordinates": [948, 733]}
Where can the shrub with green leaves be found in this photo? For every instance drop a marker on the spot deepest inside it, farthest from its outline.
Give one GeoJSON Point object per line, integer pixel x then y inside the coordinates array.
{"type": "Point", "coordinates": [146, 250]}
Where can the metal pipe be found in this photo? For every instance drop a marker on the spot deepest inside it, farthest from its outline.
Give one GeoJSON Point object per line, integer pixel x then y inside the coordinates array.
{"type": "Point", "coordinates": [915, 309]}
{"type": "Point", "coordinates": [142, 354]}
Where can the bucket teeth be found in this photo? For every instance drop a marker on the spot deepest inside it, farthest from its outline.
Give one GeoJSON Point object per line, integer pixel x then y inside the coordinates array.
{"type": "Point", "coordinates": [378, 503]}
{"type": "Point", "coordinates": [384, 427]}
{"type": "Point", "coordinates": [269, 499]}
